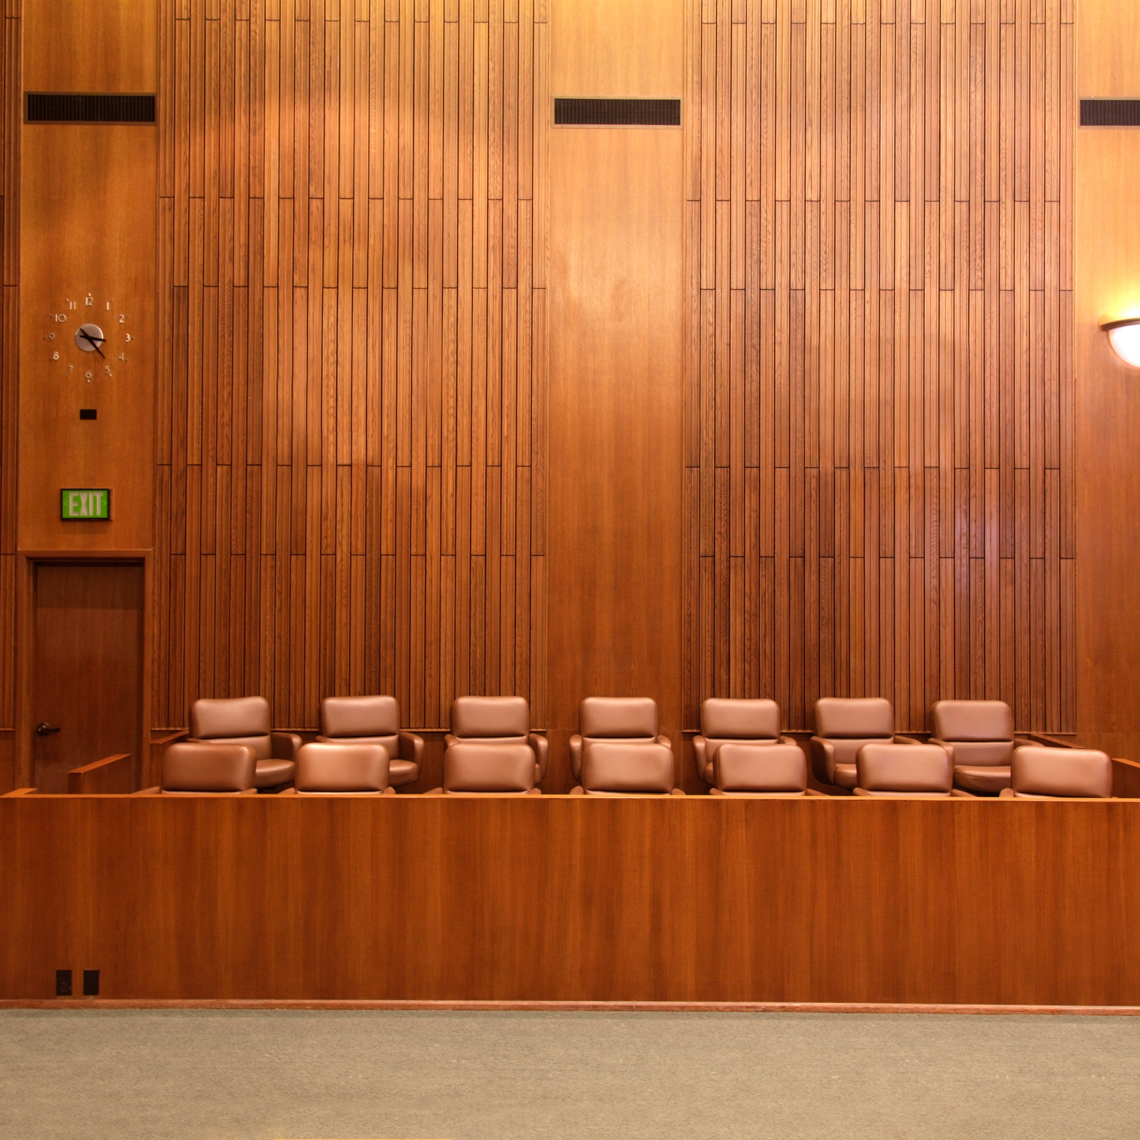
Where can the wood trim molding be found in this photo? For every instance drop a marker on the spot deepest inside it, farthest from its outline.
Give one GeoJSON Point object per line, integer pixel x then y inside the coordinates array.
{"type": "Point", "coordinates": [588, 1006]}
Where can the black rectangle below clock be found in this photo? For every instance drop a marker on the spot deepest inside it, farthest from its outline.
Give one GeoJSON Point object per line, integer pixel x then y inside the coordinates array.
{"type": "Point", "coordinates": [88, 413]}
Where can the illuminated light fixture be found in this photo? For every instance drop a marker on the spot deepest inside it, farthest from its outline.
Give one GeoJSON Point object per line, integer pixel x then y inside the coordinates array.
{"type": "Point", "coordinates": [1124, 336]}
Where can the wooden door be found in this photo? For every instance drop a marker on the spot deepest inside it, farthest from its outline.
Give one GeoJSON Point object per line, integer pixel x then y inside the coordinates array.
{"type": "Point", "coordinates": [87, 663]}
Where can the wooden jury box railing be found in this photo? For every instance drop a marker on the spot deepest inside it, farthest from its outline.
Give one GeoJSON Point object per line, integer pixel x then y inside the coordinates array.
{"type": "Point", "coordinates": [558, 898]}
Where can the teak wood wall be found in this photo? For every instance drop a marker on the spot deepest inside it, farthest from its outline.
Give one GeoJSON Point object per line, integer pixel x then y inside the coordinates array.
{"type": "Point", "coordinates": [9, 340]}
{"type": "Point", "coordinates": [879, 424]}
{"type": "Point", "coordinates": [351, 451]}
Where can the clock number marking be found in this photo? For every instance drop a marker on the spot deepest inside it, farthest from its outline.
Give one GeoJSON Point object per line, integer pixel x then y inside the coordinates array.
{"type": "Point", "coordinates": [50, 336]}
{"type": "Point", "coordinates": [70, 369]}
{"type": "Point", "coordinates": [107, 369]}
{"type": "Point", "coordinates": [130, 338]}
{"type": "Point", "coordinates": [72, 306]}
{"type": "Point", "coordinates": [55, 356]}
{"type": "Point", "coordinates": [89, 375]}
{"type": "Point", "coordinates": [122, 318]}
{"type": "Point", "coordinates": [59, 318]}
{"type": "Point", "coordinates": [90, 300]}
{"type": "Point", "coordinates": [122, 356]}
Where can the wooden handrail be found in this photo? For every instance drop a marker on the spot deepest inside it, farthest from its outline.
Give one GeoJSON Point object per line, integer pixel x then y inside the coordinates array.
{"type": "Point", "coordinates": [109, 776]}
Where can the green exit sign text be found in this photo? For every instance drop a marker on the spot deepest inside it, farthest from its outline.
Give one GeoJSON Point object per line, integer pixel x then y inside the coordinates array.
{"type": "Point", "coordinates": [85, 503]}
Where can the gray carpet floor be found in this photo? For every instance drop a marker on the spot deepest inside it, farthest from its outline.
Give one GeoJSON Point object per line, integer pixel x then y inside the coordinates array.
{"type": "Point", "coordinates": [245, 1075]}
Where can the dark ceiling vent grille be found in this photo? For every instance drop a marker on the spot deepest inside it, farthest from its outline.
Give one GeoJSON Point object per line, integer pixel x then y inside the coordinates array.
{"type": "Point", "coordinates": [58, 107]}
{"type": "Point", "coordinates": [1110, 112]}
{"type": "Point", "coordinates": [617, 112]}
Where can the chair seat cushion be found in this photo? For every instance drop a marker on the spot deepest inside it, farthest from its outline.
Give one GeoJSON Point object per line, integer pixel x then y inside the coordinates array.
{"type": "Point", "coordinates": [760, 768]}
{"type": "Point", "coordinates": [982, 778]}
{"type": "Point", "coordinates": [846, 775]}
{"type": "Point", "coordinates": [401, 772]}
{"type": "Point", "coordinates": [273, 773]}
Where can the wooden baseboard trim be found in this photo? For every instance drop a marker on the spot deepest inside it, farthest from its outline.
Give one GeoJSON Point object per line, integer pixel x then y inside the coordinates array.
{"type": "Point", "coordinates": [572, 1006]}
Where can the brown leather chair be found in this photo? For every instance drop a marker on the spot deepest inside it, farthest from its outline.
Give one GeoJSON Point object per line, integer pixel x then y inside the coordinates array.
{"type": "Point", "coordinates": [374, 720]}
{"type": "Point", "coordinates": [245, 720]}
{"type": "Point", "coordinates": [739, 721]}
{"type": "Point", "coordinates": [910, 771]}
{"type": "Point", "coordinates": [842, 726]}
{"type": "Point", "coordinates": [775, 770]}
{"type": "Point", "coordinates": [623, 720]}
{"type": "Point", "coordinates": [194, 768]}
{"type": "Point", "coordinates": [979, 737]}
{"type": "Point", "coordinates": [622, 768]}
{"type": "Point", "coordinates": [341, 769]}
{"type": "Point", "coordinates": [495, 721]}
{"type": "Point", "coordinates": [472, 768]}
{"type": "Point", "coordinates": [1040, 773]}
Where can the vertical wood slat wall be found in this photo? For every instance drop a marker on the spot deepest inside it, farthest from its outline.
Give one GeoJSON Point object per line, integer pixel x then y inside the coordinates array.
{"type": "Point", "coordinates": [879, 362]}
{"type": "Point", "coordinates": [351, 448]}
{"type": "Point", "coordinates": [9, 339]}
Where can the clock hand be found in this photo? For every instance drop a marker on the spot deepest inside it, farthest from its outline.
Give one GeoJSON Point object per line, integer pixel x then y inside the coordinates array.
{"type": "Point", "coordinates": [93, 342]}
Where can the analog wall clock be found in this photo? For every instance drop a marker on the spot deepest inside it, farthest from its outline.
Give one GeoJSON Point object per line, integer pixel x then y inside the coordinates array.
{"type": "Point", "coordinates": [89, 338]}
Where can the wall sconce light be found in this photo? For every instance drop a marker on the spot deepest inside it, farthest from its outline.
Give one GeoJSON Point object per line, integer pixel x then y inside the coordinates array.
{"type": "Point", "coordinates": [1124, 336]}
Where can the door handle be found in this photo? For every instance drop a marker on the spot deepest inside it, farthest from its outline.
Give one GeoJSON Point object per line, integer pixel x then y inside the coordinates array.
{"type": "Point", "coordinates": [45, 729]}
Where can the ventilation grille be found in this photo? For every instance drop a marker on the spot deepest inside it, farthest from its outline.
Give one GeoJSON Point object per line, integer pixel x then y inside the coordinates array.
{"type": "Point", "coordinates": [55, 107]}
{"type": "Point", "coordinates": [617, 112]}
{"type": "Point", "coordinates": [1110, 112]}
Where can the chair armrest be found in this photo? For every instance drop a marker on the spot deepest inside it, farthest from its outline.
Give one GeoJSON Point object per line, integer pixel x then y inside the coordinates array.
{"type": "Point", "coordinates": [677, 792]}
{"type": "Point", "coordinates": [541, 748]}
{"type": "Point", "coordinates": [961, 794]}
{"type": "Point", "coordinates": [815, 792]}
{"type": "Point", "coordinates": [18, 792]}
{"type": "Point", "coordinates": [284, 745]}
{"type": "Point", "coordinates": [434, 792]}
{"type": "Point", "coordinates": [577, 790]}
{"type": "Point", "coordinates": [666, 741]}
{"type": "Point", "coordinates": [944, 744]}
{"type": "Point", "coordinates": [700, 757]}
{"type": "Point", "coordinates": [147, 791]}
{"type": "Point", "coordinates": [786, 740]}
{"type": "Point", "coordinates": [412, 748]}
{"type": "Point", "coordinates": [450, 739]}
{"type": "Point", "coordinates": [822, 755]}
{"type": "Point", "coordinates": [576, 756]}
{"type": "Point", "coordinates": [901, 739]}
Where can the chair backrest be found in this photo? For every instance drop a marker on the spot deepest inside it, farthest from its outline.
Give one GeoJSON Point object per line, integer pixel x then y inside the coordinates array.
{"type": "Point", "coordinates": [617, 717]}
{"type": "Point", "coordinates": [626, 767]}
{"type": "Point", "coordinates": [341, 768]}
{"type": "Point", "coordinates": [500, 718]}
{"type": "Point", "coordinates": [905, 768]}
{"type": "Point", "coordinates": [359, 716]}
{"type": "Point", "coordinates": [238, 720]}
{"type": "Point", "coordinates": [749, 768]}
{"type": "Point", "coordinates": [854, 717]}
{"type": "Point", "coordinates": [471, 767]}
{"type": "Point", "coordinates": [1077, 772]}
{"type": "Point", "coordinates": [972, 721]}
{"type": "Point", "coordinates": [724, 719]}
{"type": "Point", "coordinates": [196, 767]}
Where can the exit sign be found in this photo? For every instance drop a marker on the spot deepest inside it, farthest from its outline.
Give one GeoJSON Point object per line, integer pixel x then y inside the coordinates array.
{"type": "Point", "coordinates": [85, 503]}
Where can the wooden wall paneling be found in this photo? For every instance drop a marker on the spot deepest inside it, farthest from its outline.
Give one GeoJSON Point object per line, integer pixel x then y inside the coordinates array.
{"type": "Point", "coordinates": [347, 349]}
{"type": "Point", "coordinates": [1102, 391]}
{"type": "Point", "coordinates": [914, 154]}
{"type": "Point", "coordinates": [11, 87]}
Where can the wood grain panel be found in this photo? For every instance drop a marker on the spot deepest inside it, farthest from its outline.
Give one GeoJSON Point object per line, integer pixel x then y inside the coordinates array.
{"type": "Point", "coordinates": [560, 898]}
{"type": "Point", "coordinates": [1104, 391]}
{"type": "Point", "coordinates": [909, 272]}
{"type": "Point", "coordinates": [10, 89]}
{"type": "Point", "coordinates": [615, 276]}
{"type": "Point", "coordinates": [353, 282]}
